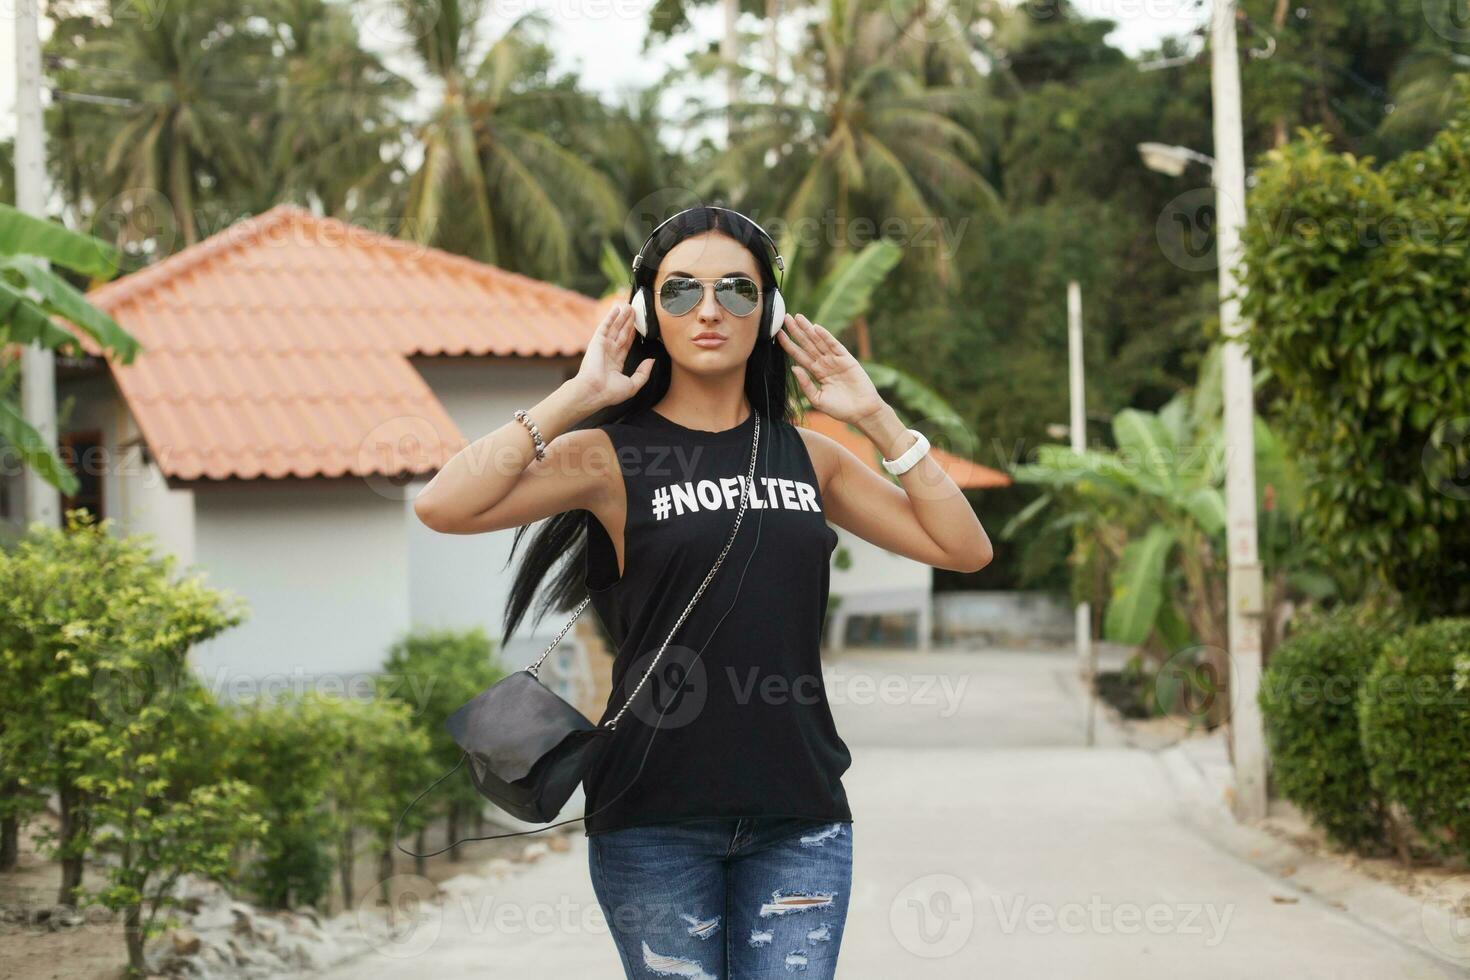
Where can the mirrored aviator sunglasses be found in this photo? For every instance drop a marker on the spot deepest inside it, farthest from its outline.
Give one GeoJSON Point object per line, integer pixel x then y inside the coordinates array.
{"type": "Point", "coordinates": [738, 294]}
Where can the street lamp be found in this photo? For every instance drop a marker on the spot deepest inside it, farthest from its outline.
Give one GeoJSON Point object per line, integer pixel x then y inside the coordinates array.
{"type": "Point", "coordinates": [1172, 160]}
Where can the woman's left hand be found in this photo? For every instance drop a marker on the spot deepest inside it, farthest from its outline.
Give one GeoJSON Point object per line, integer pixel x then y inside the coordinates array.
{"type": "Point", "coordinates": [830, 377]}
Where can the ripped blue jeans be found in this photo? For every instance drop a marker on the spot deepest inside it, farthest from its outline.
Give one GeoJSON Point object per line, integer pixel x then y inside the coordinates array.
{"type": "Point", "coordinates": [725, 899]}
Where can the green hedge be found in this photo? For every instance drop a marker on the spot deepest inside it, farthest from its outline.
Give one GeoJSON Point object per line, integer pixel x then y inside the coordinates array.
{"type": "Point", "coordinates": [1309, 698]}
{"type": "Point", "coordinates": [1356, 278]}
{"type": "Point", "coordinates": [1415, 729]}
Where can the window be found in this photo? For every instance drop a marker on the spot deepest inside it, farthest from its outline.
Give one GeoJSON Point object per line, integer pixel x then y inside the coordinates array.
{"type": "Point", "coordinates": [84, 455]}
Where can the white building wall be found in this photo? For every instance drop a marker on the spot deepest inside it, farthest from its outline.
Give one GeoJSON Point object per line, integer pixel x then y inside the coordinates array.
{"type": "Point", "coordinates": [321, 564]}
{"type": "Point", "coordinates": [138, 495]}
{"type": "Point", "coordinates": [878, 581]}
{"type": "Point", "coordinates": [462, 580]}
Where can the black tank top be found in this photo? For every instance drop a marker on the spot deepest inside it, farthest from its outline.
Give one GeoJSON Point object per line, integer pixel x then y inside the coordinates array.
{"type": "Point", "coordinates": [750, 732]}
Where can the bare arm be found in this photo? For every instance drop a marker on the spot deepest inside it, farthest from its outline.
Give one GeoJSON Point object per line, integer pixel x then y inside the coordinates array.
{"type": "Point", "coordinates": [496, 482]}
{"type": "Point", "coordinates": [929, 519]}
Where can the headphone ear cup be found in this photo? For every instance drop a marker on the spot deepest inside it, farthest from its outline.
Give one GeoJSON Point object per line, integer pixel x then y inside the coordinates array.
{"type": "Point", "coordinates": [778, 312]}
{"type": "Point", "coordinates": [640, 312]}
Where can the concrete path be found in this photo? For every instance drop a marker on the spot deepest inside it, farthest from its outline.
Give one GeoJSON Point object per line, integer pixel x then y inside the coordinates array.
{"type": "Point", "coordinates": [990, 841]}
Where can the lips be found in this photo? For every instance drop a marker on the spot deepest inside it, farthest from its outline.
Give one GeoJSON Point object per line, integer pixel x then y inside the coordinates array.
{"type": "Point", "coordinates": [708, 339]}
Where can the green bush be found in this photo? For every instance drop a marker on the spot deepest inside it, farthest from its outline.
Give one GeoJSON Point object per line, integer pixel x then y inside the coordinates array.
{"type": "Point", "coordinates": [371, 743]}
{"type": "Point", "coordinates": [100, 707]}
{"type": "Point", "coordinates": [278, 750]}
{"type": "Point", "coordinates": [1309, 699]}
{"type": "Point", "coordinates": [434, 672]}
{"type": "Point", "coordinates": [1356, 280]}
{"type": "Point", "coordinates": [331, 771]}
{"type": "Point", "coordinates": [1415, 726]}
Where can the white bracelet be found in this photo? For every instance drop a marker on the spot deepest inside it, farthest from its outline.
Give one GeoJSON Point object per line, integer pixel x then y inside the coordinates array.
{"type": "Point", "coordinates": [910, 456]}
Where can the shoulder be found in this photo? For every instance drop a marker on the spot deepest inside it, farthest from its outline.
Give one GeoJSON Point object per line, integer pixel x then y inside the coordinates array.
{"type": "Point", "coordinates": [825, 452]}
{"type": "Point", "coordinates": [589, 451]}
{"type": "Point", "coordinates": [585, 462]}
{"type": "Point", "coordinates": [584, 440]}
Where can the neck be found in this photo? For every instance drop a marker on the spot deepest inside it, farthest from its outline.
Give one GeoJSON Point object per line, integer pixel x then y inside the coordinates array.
{"type": "Point", "coordinates": [702, 402]}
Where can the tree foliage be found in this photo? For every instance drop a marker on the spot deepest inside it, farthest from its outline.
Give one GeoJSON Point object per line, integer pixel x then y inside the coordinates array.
{"type": "Point", "coordinates": [1357, 286]}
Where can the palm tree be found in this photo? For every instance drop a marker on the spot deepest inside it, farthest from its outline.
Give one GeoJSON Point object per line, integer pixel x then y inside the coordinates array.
{"type": "Point", "coordinates": [334, 115]}
{"type": "Point", "coordinates": [865, 135]}
{"type": "Point", "coordinates": [169, 109]}
{"type": "Point", "coordinates": [512, 186]}
{"type": "Point", "coordinates": [668, 17]}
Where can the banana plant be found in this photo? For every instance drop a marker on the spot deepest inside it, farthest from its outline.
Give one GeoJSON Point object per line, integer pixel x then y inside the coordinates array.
{"type": "Point", "coordinates": [30, 296]}
{"type": "Point", "coordinates": [1149, 518]}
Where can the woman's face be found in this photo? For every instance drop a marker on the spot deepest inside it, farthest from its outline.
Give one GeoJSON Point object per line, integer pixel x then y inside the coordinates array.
{"type": "Point", "coordinates": [710, 255]}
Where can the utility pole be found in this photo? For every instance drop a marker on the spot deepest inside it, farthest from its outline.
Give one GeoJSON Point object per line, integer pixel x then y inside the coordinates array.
{"type": "Point", "coordinates": [37, 364]}
{"type": "Point", "coordinates": [1247, 735]}
{"type": "Point", "coordinates": [1086, 654]}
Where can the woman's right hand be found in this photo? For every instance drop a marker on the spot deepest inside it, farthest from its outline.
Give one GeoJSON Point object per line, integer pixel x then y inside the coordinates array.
{"type": "Point", "coordinates": [601, 378]}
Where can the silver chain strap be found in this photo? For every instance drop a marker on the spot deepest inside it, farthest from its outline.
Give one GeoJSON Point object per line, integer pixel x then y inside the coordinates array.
{"type": "Point", "coordinates": [744, 497]}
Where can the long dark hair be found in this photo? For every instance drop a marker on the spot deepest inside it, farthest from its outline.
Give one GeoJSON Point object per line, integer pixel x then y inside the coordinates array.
{"type": "Point", "coordinates": [767, 378]}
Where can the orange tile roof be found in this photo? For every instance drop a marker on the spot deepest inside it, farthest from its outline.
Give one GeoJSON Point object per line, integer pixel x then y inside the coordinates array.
{"type": "Point", "coordinates": [966, 474]}
{"type": "Point", "coordinates": [279, 347]}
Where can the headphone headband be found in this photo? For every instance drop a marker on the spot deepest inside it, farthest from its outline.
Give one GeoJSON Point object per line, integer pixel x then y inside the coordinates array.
{"type": "Point", "coordinates": [779, 262]}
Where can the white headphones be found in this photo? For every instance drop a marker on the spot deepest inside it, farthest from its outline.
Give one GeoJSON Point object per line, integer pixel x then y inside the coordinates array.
{"type": "Point", "coordinates": [640, 297]}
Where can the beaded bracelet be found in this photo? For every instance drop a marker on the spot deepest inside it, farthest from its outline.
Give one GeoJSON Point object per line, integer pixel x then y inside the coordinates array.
{"type": "Point", "coordinates": [522, 417]}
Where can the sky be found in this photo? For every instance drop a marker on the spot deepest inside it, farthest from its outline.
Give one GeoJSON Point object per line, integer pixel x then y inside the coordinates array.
{"type": "Point", "coordinates": [600, 39]}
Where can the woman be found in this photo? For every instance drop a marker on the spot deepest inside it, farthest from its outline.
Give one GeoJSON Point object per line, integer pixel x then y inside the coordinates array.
{"type": "Point", "coordinates": [719, 834]}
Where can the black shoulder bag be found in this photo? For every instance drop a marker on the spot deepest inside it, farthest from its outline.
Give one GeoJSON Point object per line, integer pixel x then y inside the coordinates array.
{"type": "Point", "coordinates": [527, 746]}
